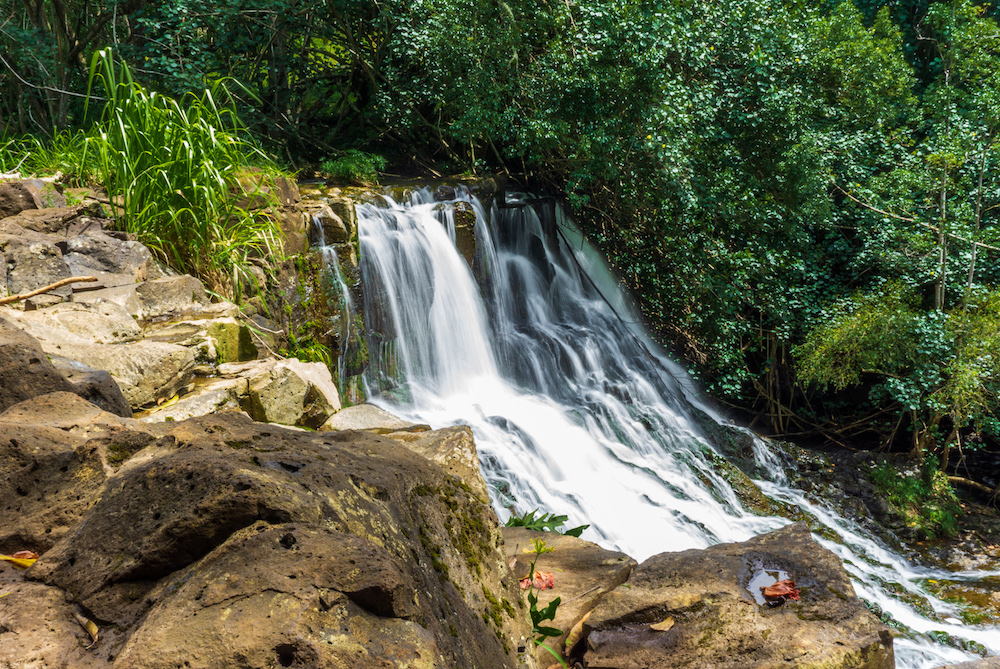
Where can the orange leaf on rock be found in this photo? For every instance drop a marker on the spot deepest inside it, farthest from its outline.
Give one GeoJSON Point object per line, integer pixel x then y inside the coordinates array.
{"type": "Point", "coordinates": [781, 590]}
{"type": "Point", "coordinates": [25, 555]}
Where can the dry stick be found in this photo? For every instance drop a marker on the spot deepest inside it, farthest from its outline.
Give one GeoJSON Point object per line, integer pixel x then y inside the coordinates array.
{"type": "Point", "coordinates": [45, 289]}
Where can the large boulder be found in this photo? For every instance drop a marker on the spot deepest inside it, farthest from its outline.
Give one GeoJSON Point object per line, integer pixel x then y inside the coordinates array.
{"type": "Point", "coordinates": [108, 254]}
{"type": "Point", "coordinates": [229, 543]}
{"type": "Point", "coordinates": [291, 392]}
{"type": "Point", "coordinates": [50, 473]}
{"type": "Point", "coordinates": [704, 609]}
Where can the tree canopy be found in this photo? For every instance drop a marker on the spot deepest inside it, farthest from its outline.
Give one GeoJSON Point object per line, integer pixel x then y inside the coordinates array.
{"type": "Point", "coordinates": [803, 196]}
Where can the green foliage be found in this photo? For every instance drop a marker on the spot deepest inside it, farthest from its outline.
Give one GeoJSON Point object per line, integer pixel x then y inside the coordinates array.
{"type": "Point", "coordinates": [925, 498]}
{"type": "Point", "coordinates": [930, 364]}
{"type": "Point", "coordinates": [547, 522]}
{"type": "Point", "coordinates": [355, 167]}
{"type": "Point", "coordinates": [178, 175]}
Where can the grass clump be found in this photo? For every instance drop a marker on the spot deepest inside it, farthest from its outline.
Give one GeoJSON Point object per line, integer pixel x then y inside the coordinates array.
{"type": "Point", "coordinates": [182, 177]}
{"type": "Point", "coordinates": [355, 167]}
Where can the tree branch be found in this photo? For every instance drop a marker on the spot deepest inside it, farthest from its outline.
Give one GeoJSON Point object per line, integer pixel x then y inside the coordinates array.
{"type": "Point", "coordinates": [45, 289]}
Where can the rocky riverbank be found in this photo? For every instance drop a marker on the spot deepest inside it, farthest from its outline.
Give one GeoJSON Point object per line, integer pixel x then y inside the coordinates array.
{"type": "Point", "coordinates": [198, 501]}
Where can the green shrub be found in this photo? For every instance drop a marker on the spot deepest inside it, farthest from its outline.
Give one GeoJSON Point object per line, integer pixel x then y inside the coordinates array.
{"type": "Point", "coordinates": [355, 167]}
{"type": "Point", "coordinates": [926, 499]}
{"type": "Point", "coordinates": [177, 172]}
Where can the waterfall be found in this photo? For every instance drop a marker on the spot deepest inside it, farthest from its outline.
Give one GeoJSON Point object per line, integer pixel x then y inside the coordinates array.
{"type": "Point", "coordinates": [574, 409]}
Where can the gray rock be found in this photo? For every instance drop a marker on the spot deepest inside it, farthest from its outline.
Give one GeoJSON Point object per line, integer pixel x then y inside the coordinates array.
{"type": "Point", "coordinates": [293, 393]}
{"type": "Point", "coordinates": [453, 448]}
{"type": "Point", "coordinates": [97, 250]}
{"type": "Point", "coordinates": [146, 371]}
{"type": "Point", "coordinates": [49, 193]}
{"type": "Point", "coordinates": [16, 196]}
{"type": "Point", "coordinates": [35, 266]}
{"type": "Point", "coordinates": [97, 386]}
{"type": "Point", "coordinates": [103, 323]}
{"type": "Point", "coordinates": [172, 297]}
{"type": "Point", "coordinates": [705, 615]}
{"type": "Point", "coordinates": [210, 397]}
{"type": "Point", "coordinates": [61, 222]}
{"type": "Point", "coordinates": [326, 227]}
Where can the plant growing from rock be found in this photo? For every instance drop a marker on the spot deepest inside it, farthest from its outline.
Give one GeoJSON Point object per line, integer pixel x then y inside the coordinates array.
{"type": "Point", "coordinates": [535, 582]}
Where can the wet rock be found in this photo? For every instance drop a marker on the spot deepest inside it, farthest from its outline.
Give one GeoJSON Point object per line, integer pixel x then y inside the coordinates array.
{"type": "Point", "coordinates": [323, 219]}
{"type": "Point", "coordinates": [444, 193]}
{"type": "Point", "coordinates": [16, 196]}
{"type": "Point", "coordinates": [584, 573]}
{"type": "Point", "coordinates": [707, 617]}
{"type": "Point", "coordinates": [343, 208]}
{"type": "Point", "coordinates": [985, 663]}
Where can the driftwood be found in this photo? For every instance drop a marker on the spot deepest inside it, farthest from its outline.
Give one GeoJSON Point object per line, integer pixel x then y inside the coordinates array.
{"type": "Point", "coordinates": [975, 486]}
{"type": "Point", "coordinates": [45, 289]}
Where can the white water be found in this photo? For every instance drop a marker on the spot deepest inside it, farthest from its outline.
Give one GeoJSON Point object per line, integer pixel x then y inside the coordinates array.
{"type": "Point", "coordinates": [574, 410]}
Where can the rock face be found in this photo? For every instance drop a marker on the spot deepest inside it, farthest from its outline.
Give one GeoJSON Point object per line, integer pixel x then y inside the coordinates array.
{"type": "Point", "coordinates": [706, 615]}
{"type": "Point", "coordinates": [220, 542]}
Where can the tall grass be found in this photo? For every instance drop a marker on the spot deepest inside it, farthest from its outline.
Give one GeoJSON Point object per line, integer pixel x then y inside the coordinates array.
{"type": "Point", "coordinates": [176, 171]}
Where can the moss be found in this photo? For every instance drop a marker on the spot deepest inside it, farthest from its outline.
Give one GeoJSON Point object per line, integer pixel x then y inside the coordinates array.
{"type": "Point", "coordinates": [435, 552]}
{"type": "Point", "coordinates": [119, 452]}
{"type": "Point", "coordinates": [494, 609]}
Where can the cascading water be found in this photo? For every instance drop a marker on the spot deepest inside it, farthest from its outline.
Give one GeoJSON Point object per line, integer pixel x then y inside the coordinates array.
{"type": "Point", "coordinates": [574, 411]}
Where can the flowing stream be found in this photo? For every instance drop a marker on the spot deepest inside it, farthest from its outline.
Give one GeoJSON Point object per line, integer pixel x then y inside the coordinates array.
{"type": "Point", "coordinates": [574, 410]}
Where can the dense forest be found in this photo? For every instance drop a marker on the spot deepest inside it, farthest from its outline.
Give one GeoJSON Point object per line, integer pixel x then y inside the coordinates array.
{"type": "Point", "coordinates": [803, 196]}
